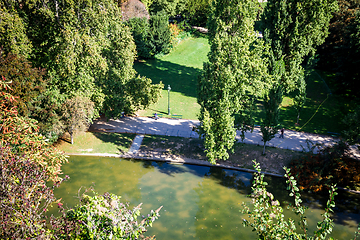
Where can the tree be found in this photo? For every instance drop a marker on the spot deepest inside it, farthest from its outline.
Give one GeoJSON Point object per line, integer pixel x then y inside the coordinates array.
{"type": "Point", "coordinates": [140, 32]}
{"type": "Point", "coordinates": [77, 114]}
{"type": "Point", "coordinates": [197, 11]}
{"type": "Point", "coordinates": [234, 76]}
{"type": "Point", "coordinates": [27, 83]}
{"type": "Point", "coordinates": [159, 33]}
{"type": "Point", "coordinates": [171, 7]}
{"type": "Point", "coordinates": [270, 125]}
{"type": "Point", "coordinates": [13, 37]}
{"type": "Point", "coordinates": [351, 121]}
{"type": "Point", "coordinates": [267, 219]}
{"type": "Point", "coordinates": [272, 100]}
{"type": "Point", "coordinates": [339, 52]}
{"type": "Point", "coordinates": [295, 29]}
{"type": "Point", "coordinates": [82, 45]}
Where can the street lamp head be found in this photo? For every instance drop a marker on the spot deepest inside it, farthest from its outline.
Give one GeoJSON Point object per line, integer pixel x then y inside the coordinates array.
{"type": "Point", "coordinates": [169, 88]}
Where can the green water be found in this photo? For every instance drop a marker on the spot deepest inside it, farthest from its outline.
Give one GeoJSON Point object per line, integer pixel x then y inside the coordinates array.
{"type": "Point", "coordinates": [199, 202]}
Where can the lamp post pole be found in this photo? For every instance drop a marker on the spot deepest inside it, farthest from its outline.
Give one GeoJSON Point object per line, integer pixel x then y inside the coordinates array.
{"type": "Point", "coordinates": [169, 88]}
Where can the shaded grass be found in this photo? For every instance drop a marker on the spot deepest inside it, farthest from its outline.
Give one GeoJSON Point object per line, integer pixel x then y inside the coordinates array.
{"type": "Point", "coordinates": [321, 114]}
{"type": "Point", "coordinates": [182, 66]}
{"type": "Point", "coordinates": [97, 142]}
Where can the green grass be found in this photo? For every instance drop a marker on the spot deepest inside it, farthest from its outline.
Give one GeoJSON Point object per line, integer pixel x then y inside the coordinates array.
{"type": "Point", "coordinates": [179, 69]}
{"type": "Point", "coordinates": [323, 111]}
{"type": "Point", "coordinates": [97, 142]}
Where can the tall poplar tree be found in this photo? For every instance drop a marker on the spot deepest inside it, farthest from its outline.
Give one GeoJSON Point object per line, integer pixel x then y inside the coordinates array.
{"type": "Point", "coordinates": [234, 75]}
{"type": "Point", "coordinates": [296, 28]}
{"type": "Point", "coordinates": [293, 28]}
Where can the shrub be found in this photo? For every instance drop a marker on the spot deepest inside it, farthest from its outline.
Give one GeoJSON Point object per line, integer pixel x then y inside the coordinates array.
{"type": "Point", "coordinates": [103, 217]}
{"type": "Point", "coordinates": [267, 219]}
{"type": "Point", "coordinates": [331, 165]}
{"type": "Point", "coordinates": [24, 196]}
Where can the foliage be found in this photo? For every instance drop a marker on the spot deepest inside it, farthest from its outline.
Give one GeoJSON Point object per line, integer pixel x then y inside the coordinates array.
{"type": "Point", "coordinates": [27, 83]}
{"type": "Point", "coordinates": [77, 114]}
{"type": "Point", "coordinates": [25, 196]}
{"type": "Point", "coordinates": [351, 122]}
{"type": "Point", "coordinates": [295, 28]}
{"type": "Point", "coordinates": [340, 51]}
{"type": "Point", "coordinates": [84, 46]}
{"type": "Point", "coordinates": [103, 217]}
{"type": "Point", "coordinates": [235, 74]}
{"type": "Point", "coordinates": [267, 219]}
{"type": "Point", "coordinates": [244, 120]}
{"type": "Point", "coordinates": [154, 36]}
{"type": "Point", "coordinates": [175, 30]}
{"type": "Point", "coordinates": [13, 37]}
{"type": "Point", "coordinates": [27, 165]}
{"type": "Point", "coordinates": [271, 101]}
{"type": "Point", "coordinates": [140, 32]}
{"type": "Point", "coordinates": [331, 165]}
{"type": "Point", "coordinates": [270, 125]}
{"type": "Point", "coordinates": [159, 33]}
{"type": "Point", "coordinates": [22, 136]}
{"type": "Point", "coordinates": [197, 11]}
{"type": "Point", "coordinates": [171, 8]}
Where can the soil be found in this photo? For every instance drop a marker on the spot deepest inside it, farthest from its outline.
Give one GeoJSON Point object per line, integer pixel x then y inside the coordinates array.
{"type": "Point", "coordinates": [273, 161]}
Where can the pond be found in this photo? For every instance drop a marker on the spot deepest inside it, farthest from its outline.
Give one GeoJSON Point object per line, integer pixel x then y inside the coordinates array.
{"type": "Point", "coordinates": [199, 202]}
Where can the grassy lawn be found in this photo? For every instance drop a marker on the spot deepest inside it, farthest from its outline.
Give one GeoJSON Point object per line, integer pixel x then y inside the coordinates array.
{"type": "Point", "coordinates": [179, 69]}
{"type": "Point", "coordinates": [96, 142]}
{"type": "Point", "coordinates": [315, 118]}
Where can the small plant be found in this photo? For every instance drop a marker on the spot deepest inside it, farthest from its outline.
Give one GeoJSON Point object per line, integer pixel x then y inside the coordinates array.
{"type": "Point", "coordinates": [103, 217]}
{"type": "Point", "coordinates": [267, 219]}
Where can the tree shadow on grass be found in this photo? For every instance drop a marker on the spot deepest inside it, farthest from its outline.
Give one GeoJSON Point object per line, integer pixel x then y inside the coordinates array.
{"type": "Point", "coordinates": [181, 78]}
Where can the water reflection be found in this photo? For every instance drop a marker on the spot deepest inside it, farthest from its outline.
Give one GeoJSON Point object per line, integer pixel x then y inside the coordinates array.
{"type": "Point", "coordinates": [199, 202]}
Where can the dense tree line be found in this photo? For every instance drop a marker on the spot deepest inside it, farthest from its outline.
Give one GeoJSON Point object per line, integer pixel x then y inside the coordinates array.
{"type": "Point", "coordinates": [243, 68]}
{"type": "Point", "coordinates": [71, 50]}
{"type": "Point", "coordinates": [340, 53]}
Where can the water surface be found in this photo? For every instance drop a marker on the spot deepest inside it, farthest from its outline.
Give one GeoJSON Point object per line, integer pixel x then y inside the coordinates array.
{"type": "Point", "coordinates": [199, 202]}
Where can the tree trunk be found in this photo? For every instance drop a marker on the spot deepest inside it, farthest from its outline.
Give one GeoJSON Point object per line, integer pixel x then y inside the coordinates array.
{"type": "Point", "coordinates": [297, 120]}
{"type": "Point", "coordinates": [72, 138]}
{"type": "Point", "coordinates": [264, 148]}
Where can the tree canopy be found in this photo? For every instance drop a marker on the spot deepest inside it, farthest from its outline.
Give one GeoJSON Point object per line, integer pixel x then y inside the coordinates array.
{"type": "Point", "coordinates": [234, 75]}
{"type": "Point", "coordinates": [86, 50]}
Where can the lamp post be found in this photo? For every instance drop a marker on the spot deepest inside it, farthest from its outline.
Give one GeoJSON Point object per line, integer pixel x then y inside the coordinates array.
{"type": "Point", "coordinates": [169, 88]}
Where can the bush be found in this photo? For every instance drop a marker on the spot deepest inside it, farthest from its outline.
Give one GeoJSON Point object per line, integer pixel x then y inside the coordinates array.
{"type": "Point", "coordinates": [25, 196]}
{"type": "Point", "coordinates": [331, 165]}
{"type": "Point", "coordinates": [267, 219]}
{"type": "Point", "coordinates": [103, 217]}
